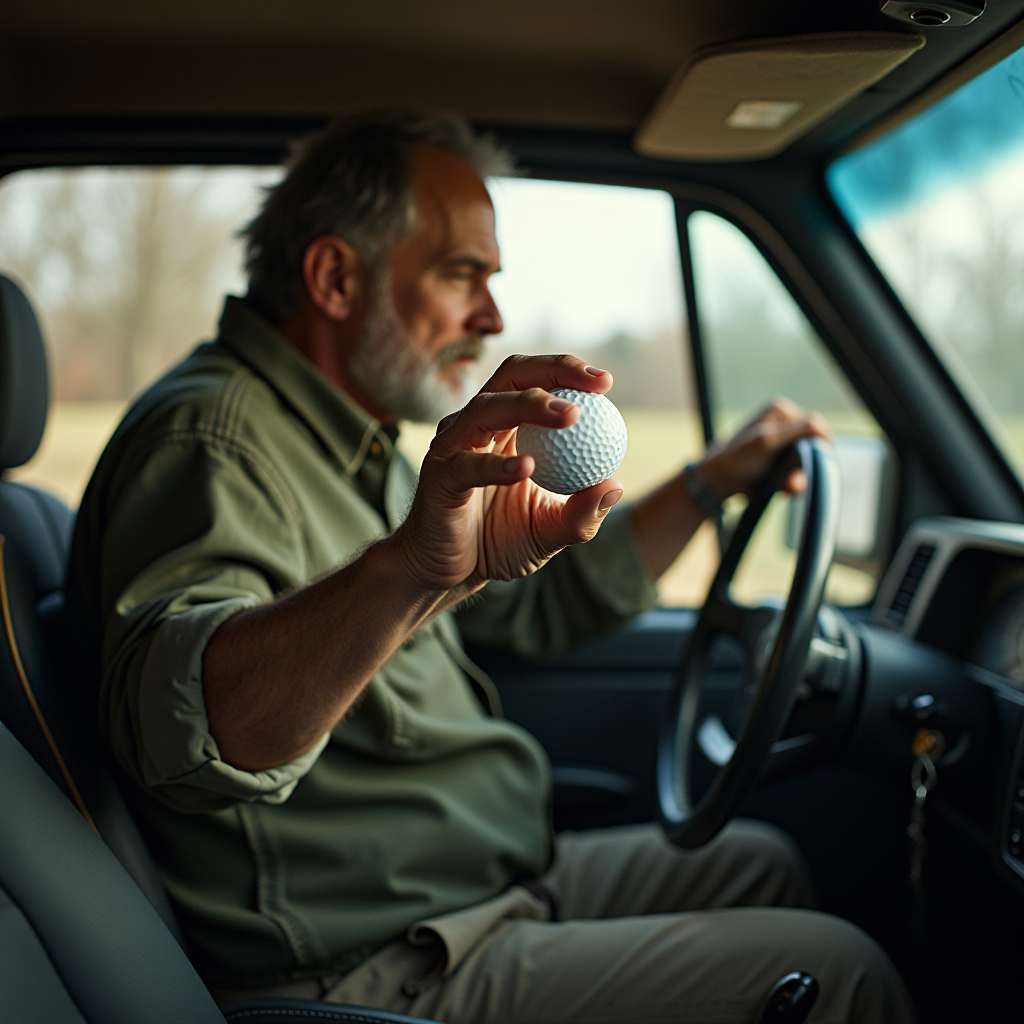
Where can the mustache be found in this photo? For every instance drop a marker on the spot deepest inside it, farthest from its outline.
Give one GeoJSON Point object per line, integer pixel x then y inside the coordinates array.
{"type": "Point", "coordinates": [471, 347]}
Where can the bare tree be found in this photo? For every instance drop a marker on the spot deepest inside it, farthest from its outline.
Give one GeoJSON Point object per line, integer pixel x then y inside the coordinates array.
{"type": "Point", "coordinates": [127, 267]}
{"type": "Point", "coordinates": [987, 312]}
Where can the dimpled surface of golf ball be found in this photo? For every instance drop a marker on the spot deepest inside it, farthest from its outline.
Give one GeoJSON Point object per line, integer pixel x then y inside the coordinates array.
{"type": "Point", "coordinates": [579, 456]}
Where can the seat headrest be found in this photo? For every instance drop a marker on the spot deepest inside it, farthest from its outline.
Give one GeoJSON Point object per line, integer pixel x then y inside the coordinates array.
{"type": "Point", "coordinates": [24, 381]}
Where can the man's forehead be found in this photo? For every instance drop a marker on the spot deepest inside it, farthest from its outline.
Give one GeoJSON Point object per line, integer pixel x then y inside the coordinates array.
{"type": "Point", "coordinates": [453, 205]}
{"type": "Point", "coordinates": [441, 176]}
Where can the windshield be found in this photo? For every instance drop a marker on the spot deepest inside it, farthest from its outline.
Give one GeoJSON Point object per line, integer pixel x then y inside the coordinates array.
{"type": "Point", "coordinates": [939, 204]}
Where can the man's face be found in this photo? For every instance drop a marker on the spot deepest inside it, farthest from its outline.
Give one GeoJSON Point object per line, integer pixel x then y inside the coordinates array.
{"type": "Point", "coordinates": [432, 308]}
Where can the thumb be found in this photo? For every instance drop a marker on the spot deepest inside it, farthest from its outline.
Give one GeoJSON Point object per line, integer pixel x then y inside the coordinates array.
{"type": "Point", "coordinates": [579, 519]}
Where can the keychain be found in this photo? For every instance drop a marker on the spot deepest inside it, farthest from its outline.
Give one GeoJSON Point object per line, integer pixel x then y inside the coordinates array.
{"type": "Point", "coordinates": [928, 746]}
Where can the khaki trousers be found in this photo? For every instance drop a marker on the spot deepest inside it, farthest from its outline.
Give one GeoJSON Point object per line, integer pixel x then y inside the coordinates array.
{"type": "Point", "coordinates": [646, 932]}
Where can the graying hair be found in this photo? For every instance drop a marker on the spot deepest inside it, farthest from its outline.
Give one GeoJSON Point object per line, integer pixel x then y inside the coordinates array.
{"type": "Point", "coordinates": [352, 179]}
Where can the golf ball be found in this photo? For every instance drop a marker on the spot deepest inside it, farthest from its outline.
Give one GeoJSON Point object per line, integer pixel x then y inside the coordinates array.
{"type": "Point", "coordinates": [576, 457]}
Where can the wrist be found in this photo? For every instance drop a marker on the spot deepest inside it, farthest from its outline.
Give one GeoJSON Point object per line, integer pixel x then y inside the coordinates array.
{"type": "Point", "coordinates": [702, 491]}
{"type": "Point", "coordinates": [391, 560]}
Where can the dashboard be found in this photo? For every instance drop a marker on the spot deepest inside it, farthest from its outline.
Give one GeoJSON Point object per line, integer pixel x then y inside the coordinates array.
{"type": "Point", "coordinates": [958, 585]}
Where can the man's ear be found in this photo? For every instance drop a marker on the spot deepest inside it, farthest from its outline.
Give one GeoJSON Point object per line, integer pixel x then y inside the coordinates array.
{"type": "Point", "coordinates": [335, 277]}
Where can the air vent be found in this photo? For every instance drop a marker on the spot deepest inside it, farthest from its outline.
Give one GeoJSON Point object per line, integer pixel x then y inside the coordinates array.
{"type": "Point", "coordinates": [901, 602]}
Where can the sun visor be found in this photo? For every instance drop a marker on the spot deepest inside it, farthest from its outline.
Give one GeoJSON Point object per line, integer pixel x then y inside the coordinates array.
{"type": "Point", "coordinates": [749, 100]}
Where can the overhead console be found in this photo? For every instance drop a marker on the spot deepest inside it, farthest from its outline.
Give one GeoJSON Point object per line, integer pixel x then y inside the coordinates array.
{"type": "Point", "coordinates": [958, 585]}
{"type": "Point", "coordinates": [750, 99]}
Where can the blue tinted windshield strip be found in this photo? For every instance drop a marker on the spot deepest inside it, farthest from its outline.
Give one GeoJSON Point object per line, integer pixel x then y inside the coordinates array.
{"type": "Point", "coordinates": [956, 139]}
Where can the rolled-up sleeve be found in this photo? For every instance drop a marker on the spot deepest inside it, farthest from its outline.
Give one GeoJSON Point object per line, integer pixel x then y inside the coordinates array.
{"type": "Point", "coordinates": [178, 757]}
{"type": "Point", "coordinates": [219, 537]}
{"type": "Point", "coordinates": [582, 591]}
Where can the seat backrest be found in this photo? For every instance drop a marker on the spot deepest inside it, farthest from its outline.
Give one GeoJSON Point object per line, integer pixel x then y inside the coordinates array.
{"type": "Point", "coordinates": [78, 941]}
{"type": "Point", "coordinates": [42, 697]}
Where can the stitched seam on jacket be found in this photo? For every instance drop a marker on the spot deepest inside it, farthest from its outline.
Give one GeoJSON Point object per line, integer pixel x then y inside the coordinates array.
{"type": "Point", "coordinates": [236, 445]}
{"type": "Point", "coordinates": [266, 896]}
{"type": "Point", "coordinates": [221, 417]}
{"type": "Point", "coordinates": [218, 433]}
{"type": "Point", "coordinates": [134, 459]}
{"type": "Point", "coordinates": [233, 413]}
{"type": "Point", "coordinates": [400, 736]}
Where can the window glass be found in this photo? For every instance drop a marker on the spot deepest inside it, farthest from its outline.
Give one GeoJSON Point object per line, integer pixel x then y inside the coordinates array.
{"type": "Point", "coordinates": [128, 268]}
{"type": "Point", "coordinates": [938, 203]}
{"type": "Point", "coordinates": [759, 345]}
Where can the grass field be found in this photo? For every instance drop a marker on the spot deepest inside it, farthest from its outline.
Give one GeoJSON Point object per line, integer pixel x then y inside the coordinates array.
{"type": "Point", "coordinates": [76, 433]}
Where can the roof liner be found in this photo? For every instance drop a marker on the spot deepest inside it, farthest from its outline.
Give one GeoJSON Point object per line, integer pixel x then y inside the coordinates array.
{"type": "Point", "coordinates": [578, 63]}
{"type": "Point", "coordinates": [562, 64]}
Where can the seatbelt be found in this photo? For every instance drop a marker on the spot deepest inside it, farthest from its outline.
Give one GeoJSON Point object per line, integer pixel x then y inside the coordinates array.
{"type": "Point", "coordinates": [26, 686]}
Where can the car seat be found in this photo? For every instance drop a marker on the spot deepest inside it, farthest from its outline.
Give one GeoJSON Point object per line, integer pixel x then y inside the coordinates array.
{"type": "Point", "coordinates": [87, 933]}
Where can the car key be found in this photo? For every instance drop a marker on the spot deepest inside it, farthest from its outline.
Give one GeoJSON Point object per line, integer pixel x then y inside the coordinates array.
{"type": "Point", "coordinates": [928, 746]}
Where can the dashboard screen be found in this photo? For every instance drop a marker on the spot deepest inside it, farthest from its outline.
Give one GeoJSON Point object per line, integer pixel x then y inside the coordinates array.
{"type": "Point", "coordinates": [977, 612]}
{"type": "Point", "coordinates": [999, 644]}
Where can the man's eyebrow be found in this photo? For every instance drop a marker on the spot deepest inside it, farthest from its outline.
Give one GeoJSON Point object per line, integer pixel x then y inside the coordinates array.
{"type": "Point", "coordinates": [476, 262]}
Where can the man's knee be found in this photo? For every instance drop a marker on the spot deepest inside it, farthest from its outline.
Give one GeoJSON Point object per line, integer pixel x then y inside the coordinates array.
{"type": "Point", "coordinates": [858, 980]}
{"type": "Point", "coordinates": [776, 871]}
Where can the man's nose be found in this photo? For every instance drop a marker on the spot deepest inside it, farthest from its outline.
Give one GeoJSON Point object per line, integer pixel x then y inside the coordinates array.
{"type": "Point", "coordinates": [486, 319]}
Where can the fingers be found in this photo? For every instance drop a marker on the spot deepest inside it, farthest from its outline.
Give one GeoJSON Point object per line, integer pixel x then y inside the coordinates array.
{"type": "Point", "coordinates": [780, 409]}
{"type": "Point", "coordinates": [489, 414]}
{"type": "Point", "coordinates": [581, 515]}
{"type": "Point", "coordinates": [778, 436]}
{"type": "Point", "coordinates": [518, 373]}
{"type": "Point", "coordinates": [466, 470]}
{"type": "Point", "coordinates": [795, 482]}
{"type": "Point", "coordinates": [784, 413]}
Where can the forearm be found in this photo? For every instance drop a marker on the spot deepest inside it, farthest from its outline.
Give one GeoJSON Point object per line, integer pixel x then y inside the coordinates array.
{"type": "Point", "coordinates": [277, 677]}
{"type": "Point", "coordinates": [665, 521]}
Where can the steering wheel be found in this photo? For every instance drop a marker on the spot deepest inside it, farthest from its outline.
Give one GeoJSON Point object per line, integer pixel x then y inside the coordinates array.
{"type": "Point", "coordinates": [776, 646]}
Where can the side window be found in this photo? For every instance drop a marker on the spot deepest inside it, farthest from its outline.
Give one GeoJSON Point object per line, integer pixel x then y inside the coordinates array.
{"type": "Point", "coordinates": [594, 270]}
{"type": "Point", "coordinates": [127, 269]}
{"type": "Point", "coordinates": [758, 345]}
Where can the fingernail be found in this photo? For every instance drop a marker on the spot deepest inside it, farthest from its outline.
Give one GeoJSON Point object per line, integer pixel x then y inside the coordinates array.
{"type": "Point", "coordinates": [560, 405]}
{"type": "Point", "coordinates": [510, 465]}
{"type": "Point", "coordinates": [608, 500]}
{"type": "Point", "coordinates": [594, 371]}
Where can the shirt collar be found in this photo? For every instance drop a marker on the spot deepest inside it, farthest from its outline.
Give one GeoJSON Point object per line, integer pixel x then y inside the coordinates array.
{"type": "Point", "coordinates": [344, 428]}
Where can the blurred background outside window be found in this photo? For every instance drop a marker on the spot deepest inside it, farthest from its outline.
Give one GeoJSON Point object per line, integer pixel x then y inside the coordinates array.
{"type": "Point", "coordinates": [939, 204]}
{"type": "Point", "coordinates": [128, 268]}
{"type": "Point", "coordinates": [758, 345]}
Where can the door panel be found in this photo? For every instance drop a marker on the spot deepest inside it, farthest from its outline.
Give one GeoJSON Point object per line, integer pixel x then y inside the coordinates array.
{"type": "Point", "coordinates": [596, 710]}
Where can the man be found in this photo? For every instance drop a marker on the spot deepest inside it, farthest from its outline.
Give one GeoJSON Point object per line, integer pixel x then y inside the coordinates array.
{"type": "Point", "coordinates": [275, 606]}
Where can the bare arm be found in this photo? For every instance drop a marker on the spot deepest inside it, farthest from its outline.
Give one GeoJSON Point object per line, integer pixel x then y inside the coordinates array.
{"type": "Point", "coordinates": [665, 521]}
{"type": "Point", "coordinates": [277, 677]}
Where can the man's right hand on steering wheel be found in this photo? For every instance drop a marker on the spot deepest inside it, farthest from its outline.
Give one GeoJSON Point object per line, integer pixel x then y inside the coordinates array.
{"type": "Point", "coordinates": [738, 465]}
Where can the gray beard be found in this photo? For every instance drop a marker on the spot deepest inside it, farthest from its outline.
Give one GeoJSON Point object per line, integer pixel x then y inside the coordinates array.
{"type": "Point", "coordinates": [399, 375]}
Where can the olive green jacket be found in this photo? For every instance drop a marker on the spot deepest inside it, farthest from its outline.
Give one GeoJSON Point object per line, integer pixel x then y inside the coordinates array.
{"type": "Point", "coordinates": [241, 474]}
